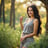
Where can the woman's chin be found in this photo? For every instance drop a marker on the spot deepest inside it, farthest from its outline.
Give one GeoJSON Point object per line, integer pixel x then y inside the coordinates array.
{"type": "Point", "coordinates": [30, 16]}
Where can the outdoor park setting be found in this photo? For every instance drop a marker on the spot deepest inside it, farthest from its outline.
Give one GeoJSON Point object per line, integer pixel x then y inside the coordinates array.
{"type": "Point", "coordinates": [10, 29]}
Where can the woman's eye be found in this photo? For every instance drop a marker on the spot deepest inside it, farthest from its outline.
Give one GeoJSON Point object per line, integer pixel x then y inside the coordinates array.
{"type": "Point", "coordinates": [29, 10]}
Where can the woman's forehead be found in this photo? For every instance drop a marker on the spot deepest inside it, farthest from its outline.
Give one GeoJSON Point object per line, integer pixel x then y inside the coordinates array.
{"type": "Point", "coordinates": [30, 8]}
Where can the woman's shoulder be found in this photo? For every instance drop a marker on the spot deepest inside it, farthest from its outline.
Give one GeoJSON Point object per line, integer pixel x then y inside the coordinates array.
{"type": "Point", "coordinates": [35, 20]}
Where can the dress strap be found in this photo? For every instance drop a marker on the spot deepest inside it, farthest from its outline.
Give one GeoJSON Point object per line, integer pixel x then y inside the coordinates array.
{"type": "Point", "coordinates": [33, 20]}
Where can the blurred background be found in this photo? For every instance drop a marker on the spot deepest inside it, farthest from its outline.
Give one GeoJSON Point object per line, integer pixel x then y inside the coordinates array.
{"type": "Point", "coordinates": [10, 12]}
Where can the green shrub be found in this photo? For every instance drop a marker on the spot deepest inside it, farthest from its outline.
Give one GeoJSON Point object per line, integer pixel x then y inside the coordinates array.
{"type": "Point", "coordinates": [43, 43]}
{"type": "Point", "coordinates": [9, 38]}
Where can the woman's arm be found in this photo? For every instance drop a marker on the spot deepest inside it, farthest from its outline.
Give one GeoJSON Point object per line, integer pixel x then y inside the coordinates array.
{"type": "Point", "coordinates": [21, 25]}
{"type": "Point", "coordinates": [21, 18]}
{"type": "Point", "coordinates": [35, 29]}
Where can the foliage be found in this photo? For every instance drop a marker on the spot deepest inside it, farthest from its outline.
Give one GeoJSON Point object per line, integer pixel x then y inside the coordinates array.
{"type": "Point", "coordinates": [43, 42]}
{"type": "Point", "coordinates": [9, 38]}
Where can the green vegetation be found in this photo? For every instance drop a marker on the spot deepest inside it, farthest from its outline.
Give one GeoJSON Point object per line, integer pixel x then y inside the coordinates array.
{"type": "Point", "coordinates": [10, 38]}
{"type": "Point", "coordinates": [42, 43]}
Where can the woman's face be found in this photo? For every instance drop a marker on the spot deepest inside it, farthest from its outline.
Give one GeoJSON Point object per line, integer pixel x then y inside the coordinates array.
{"type": "Point", "coordinates": [30, 11]}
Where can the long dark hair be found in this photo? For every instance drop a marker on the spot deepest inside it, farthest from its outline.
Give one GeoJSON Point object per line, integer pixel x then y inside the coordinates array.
{"type": "Point", "coordinates": [36, 15]}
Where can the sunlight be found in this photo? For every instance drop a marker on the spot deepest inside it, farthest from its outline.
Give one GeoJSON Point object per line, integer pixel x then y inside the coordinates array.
{"type": "Point", "coordinates": [28, 3]}
{"type": "Point", "coordinates": [24, 5]}
{"type": "Point", "coordinates": [30, 0]}
{"type": "Point", "coordinates": [18, 10]}
{"type": "Point", "coordinates": [21, 0]}
{"type": "Point", "coordinates": [42, 9]}
{"type": "Point", "coordinates": [38, 3]}
{"type": "Point", "coordinates": [17, 0]}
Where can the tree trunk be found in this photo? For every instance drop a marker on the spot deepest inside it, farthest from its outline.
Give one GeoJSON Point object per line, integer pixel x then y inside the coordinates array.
{"type": "Point", "coordinates": [13, 13]}
{"type": "Point", "coordinates": [11, 16]}
{"type": "Point", "coordinates": [3, 12]}
{"type": "Point", "coordinates": [1, 7]}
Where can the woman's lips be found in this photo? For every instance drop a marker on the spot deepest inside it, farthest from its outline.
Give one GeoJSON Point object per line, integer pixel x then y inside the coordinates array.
{"type": "Point", "coordinates": [30, 14]}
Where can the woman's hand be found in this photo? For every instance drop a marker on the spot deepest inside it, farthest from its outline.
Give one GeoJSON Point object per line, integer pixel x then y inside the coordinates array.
{"type": "Point", "coordinates": [22, 38]}
{"type": "Point", "coordinates": [21, 18]}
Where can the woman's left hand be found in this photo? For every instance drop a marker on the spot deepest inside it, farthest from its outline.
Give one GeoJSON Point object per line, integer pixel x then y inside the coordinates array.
{"type": "Point", "coordinates": [22, 38]}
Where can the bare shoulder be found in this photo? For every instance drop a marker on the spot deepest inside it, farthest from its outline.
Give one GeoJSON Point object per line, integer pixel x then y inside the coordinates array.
{"type": "Point", "coordinates": [36, 21]}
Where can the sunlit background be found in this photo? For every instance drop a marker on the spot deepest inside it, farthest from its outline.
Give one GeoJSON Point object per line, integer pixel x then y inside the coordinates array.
{"type": "Point", "coordinates": [20, 10]}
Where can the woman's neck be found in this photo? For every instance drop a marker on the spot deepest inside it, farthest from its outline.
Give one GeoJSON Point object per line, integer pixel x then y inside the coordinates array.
{"type": "Point", "coordinates": [32, 17]}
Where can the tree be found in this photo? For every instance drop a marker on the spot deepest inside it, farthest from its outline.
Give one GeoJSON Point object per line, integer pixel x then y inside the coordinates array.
{"type": "Point", "coordinates": [12, 13]}
{"type": "Point", "coordinates": [3, 12]}
{"type": "Point", "coordinates": [2, 9]}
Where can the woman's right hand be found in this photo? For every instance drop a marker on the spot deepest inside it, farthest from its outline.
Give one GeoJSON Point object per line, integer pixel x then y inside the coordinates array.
{"type": "Point", "coordinates": [21, 18]}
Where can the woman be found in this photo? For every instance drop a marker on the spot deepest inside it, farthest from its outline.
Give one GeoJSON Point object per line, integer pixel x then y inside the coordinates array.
{"type": "Point", "coordinates": [31, 27]}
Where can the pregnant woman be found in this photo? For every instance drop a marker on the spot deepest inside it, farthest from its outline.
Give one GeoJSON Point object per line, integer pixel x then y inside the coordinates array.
{"type": "Point", "coordinates": [31, 27]}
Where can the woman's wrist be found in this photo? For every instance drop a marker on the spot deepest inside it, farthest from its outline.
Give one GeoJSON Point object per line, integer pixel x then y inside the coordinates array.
{"type": "Point", "coordinates": [25, 36]}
